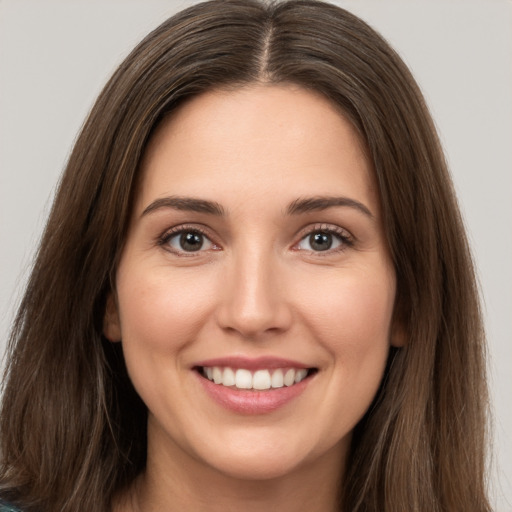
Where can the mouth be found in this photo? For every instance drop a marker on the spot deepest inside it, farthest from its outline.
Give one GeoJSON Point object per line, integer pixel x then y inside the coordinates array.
{"type": "Point", "coordinates": [263, 379]}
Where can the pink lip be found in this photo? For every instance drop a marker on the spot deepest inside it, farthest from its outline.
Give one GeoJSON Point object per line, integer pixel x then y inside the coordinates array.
{"type": "Point", "coordinates": [258, 363]}
{"type": "Point", "coordinates": [251, 402]}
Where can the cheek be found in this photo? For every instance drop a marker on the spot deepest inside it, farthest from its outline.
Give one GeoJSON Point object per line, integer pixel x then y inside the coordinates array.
{"type": "Point", "coordinates": [160, 309]}
{"type": "Point", "coordinates": [161, 313]}
{"type": "Point", "coordinates": [353, 305]}
{"type": "Point", "coordinates": [351, 318]}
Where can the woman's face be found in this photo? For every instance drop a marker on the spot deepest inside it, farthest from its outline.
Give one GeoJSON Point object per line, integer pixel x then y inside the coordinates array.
{"type": "Point", "coordinates": [255, 292]}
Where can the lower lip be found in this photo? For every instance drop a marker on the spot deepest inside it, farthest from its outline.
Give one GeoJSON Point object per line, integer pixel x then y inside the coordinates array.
{"type": "Point", "coordinates": [252, 402]}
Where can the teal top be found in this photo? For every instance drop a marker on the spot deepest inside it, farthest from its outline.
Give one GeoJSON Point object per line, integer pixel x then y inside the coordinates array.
{"type": "Point", "coordinates": [5, 507]}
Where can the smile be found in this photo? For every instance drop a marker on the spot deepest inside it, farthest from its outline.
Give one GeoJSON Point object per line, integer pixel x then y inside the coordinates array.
{"type": "Point", "coordinates": [261, 380]}
{"type": "Point", "coordinates": [253, 385]}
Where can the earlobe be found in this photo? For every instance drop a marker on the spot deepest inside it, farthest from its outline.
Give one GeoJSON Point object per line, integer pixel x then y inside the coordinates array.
{"type": "Point", "coordinates": [111, 324]}
{"type": "Point", "coordinates": [398, 332]}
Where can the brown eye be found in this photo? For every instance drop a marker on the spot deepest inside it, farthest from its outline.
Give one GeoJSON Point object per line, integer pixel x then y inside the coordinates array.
{"type": "Point", "coordinates": [189, 241]}
{"type": "Point", "coordinates": [320, 241]}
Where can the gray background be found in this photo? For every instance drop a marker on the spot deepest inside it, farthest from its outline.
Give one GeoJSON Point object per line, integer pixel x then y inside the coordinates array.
{"type": "Point", "coordinates": [56, 55]}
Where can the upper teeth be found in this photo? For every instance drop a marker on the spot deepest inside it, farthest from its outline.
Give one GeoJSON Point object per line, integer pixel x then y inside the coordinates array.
{"type": "Point", "coordinates": [260, 379]}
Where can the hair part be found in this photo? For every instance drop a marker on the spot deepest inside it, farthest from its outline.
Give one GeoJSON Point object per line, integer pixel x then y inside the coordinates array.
{"type": "Point", "coordinates": [67, 396]}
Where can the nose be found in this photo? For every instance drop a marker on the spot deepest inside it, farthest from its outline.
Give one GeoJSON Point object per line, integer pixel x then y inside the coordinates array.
{"type": "Point", "coordinates": [253, 299]}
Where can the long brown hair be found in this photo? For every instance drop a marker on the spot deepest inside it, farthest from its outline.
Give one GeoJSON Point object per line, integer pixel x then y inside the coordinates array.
{"type": "Point", "coordinates": [73, 430]}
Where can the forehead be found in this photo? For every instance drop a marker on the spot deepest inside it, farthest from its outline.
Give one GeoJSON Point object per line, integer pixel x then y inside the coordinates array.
{"type": "Point", "coordinates": [259, 139]}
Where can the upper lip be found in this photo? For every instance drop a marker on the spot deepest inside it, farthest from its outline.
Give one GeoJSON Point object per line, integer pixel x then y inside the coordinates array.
{"type": "Point", "coordinates": [258, 363]}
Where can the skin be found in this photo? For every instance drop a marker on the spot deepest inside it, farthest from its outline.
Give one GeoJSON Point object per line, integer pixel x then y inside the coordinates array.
{"type": "Point", "coordinates": [257, 287]}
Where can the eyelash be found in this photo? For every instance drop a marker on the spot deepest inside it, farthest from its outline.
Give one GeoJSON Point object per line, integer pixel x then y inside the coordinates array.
{"type": "Point", "coordinates": [344, 238]}
{"type": "Point", "coordinates": [166, 237]}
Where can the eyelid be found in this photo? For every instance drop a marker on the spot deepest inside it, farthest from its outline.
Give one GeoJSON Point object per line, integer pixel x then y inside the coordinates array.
{"type": "Point", "coordinates": [169, 233]}
{"type": "Point", "coordinates": [347, 239]}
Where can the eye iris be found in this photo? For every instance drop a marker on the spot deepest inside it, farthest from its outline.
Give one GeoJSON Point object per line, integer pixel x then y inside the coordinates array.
{"type": "Point", "coordinates": [320, 241]}
{"type": "Point", "coordinates": [191, 241]}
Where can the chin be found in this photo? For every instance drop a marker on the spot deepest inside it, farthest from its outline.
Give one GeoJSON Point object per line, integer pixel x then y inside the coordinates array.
{"type": "Point", "coordinates": [257, 468]}
{"type": "Point", "coordinates": [253, 459]}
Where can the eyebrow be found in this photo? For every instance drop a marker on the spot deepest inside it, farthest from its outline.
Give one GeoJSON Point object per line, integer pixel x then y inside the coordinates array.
{"type": "Point", "coordinates": [186, 204]}
{"type": "Point", "coordinates": [301, 205]}
{"type": "Point", "coordinates": [309, 204]}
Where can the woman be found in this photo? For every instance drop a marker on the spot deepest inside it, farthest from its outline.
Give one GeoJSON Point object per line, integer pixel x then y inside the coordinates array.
{"type": "Point", "coordinates": [254, 289]}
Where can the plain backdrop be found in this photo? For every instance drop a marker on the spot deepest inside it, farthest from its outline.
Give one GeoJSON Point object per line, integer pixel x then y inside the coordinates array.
{"type": "Point", "coordinates": [56, 55]}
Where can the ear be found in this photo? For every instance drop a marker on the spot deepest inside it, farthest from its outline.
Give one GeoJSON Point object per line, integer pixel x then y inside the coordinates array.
{"type": "Point", "coordinates": [398, 335]}
{"type": "Point", "coordinates": [111, 323]}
